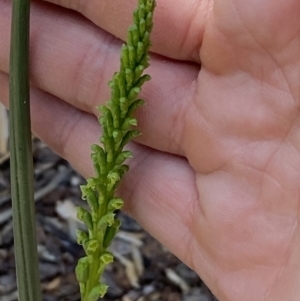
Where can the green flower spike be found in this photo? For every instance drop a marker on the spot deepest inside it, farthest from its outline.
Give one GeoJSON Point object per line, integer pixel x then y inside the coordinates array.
{"type": "Point", "coordinates": [118, 124]}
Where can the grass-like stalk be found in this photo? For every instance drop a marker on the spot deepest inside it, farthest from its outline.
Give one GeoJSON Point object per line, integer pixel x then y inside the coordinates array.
{"type": "Point", "coordinates": [21, 157]}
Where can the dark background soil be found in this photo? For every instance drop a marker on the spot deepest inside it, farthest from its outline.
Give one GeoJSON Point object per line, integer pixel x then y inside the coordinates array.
{"type": "Point", "coordinates": [143, 269]}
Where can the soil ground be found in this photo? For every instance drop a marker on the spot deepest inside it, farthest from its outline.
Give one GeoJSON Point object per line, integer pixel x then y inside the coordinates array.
{"type": "Point", "coordinates": [143, 269]}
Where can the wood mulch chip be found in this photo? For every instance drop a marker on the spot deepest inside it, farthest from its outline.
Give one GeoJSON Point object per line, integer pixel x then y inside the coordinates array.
{"type": "Point", "coordinates": [143, 269]}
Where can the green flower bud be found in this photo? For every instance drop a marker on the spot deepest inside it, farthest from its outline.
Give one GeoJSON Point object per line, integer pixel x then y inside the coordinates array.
{"type": "Point", "coordinates": [129, 77]}
{"type": "Point", "coordinates": [107, 219]}
{"type": "Point", "coordinates": [140, 51]}
{"type": "Point", "coordinates": [96, 163]}
{"type": "Point", "coordinates": [109, 236]}
{"type": "Point", "coordinates": [92, 200]}
{"type": "Point", "coordinates": [97, 169]}
{"type": "Point", "coordinates": [92, 183]}
{"type": "Point", "coordinates": [132, 56]}
{"type": "Point", "coordinates": [85, 217]}
{"type": "Point", "coordinates": [133, 35]}
{"type": "Point", "coordinates": [115, 204]}
{"type": "Point", "coordinates": [142, 11]}
{"type": "Point", "coordinates": [101, 155]}
{"type": "Point", "coordinates": [136, 18]}
{"type": "Point", "coordinates": [110, 157]}
{"type": "Point", "coordinates": [150, 5]}
{"type": "Point", "coordinates": [138, 71]}
{"type": "Point", "coordinates": [117, 134]}
{"type": "Point", "coordinates": [106, 258]}
{"type": "Point", "coordinates": [145, 59]}
{"type": "Point", "coordinates": [134, 92]}
{"type": "Point", "coordinates": [122, 85]}
{"type": "Point", "coordinates": [94, 158]}
{"type": "Point", "coordinates": [128, 136]}
{"type": "Point", "coordinates": [84, 245]}
{"type": "Point", "coordinates": [128, 123]}
{"type": "Point", "coordinates": [149, 21]}
{"type": "Point", "coordinates": [102, 120]}
{"type": "Point", "coordinates": [96, 148]}
{"type": "Point", "coordinates": [81, 236]}
{"type": "Point", "coordinates": [92, 247]}
{"type": "Point", "coordinates": [85, 190]}
{"type": "Point", "coordinates": [109, 122]}
{"type": "Point", "coordinates": [137, 103]}
{"type": "Point", "coordinates": [111, 233]}
{"type": "Point", "coordinates": [124, 106]}
{"type": "Point", "coordinates": [80, 213]}
{"type": "Point", "coordinates": [116, 114]}
{"type": "Point", "coordinates": [113, 177]}
{"type": "Point", "coordinates": [107, 143]}
{"type": "Point", "coordinates": [117, 223]}
{"type": "Point", "coordinates": [82, 270]}
{"type": "Point", "coordinates": [100, 158]}
{"type": "Point", "coordinates": [122, 169]}
{"type": "Point", "coordinates": [97, 292]}
{"type": "Point", "coordinates": [101, 199]}
{"type": "Point", "coordinates": [123, 156]}
{"type": "Point", "coordinates": [142, 80]}
{"type": "Point", "coordinates": [117, 173]}
{"type": "Point", "coordinates": [115, 91]}
{"type": "Point", "coordinates": [142, 27]}
{"type": "Point", "coordinates": [125, 57]}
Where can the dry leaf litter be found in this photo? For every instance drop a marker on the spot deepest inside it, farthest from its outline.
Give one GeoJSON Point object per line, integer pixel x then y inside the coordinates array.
{"type": "Point", "coordinates": [143, 270]}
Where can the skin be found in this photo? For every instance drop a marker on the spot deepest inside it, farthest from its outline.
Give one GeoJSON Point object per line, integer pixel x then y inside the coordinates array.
{"type": "Point", "coordinates": [217, 170]}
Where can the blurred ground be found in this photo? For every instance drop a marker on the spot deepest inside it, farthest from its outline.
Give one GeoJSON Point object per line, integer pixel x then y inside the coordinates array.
{"type": "Point", "coordinates": [143, 270]}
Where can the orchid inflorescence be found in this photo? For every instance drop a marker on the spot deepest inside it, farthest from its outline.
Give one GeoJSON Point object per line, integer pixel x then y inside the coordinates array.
{"type": "Point", "coordinates": [118, 128]}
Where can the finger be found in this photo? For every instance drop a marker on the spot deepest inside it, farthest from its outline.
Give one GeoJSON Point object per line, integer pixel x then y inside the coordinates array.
{"type": "Point", "coordinates": [179, 25]}
{"type": "Point", "coordinates": [244, 35]}
{"type": "Point", "coordinates": [74, 60]}
{"type": "Point", "coordinates": [159, 189]}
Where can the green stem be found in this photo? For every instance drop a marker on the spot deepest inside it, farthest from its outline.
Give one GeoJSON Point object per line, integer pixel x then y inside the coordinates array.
{"type": "Point", "coordinates": [21, 157]}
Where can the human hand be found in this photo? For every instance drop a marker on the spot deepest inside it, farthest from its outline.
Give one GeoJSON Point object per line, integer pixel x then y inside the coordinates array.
{"type": "Point", "coordinates": [216, 172]}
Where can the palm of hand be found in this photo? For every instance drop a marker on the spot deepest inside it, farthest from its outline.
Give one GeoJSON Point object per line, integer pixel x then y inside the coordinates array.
{"type": "Point", "coordinates": [231, 213]}
{"type": "Point", "coordinates": [247, 159]}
